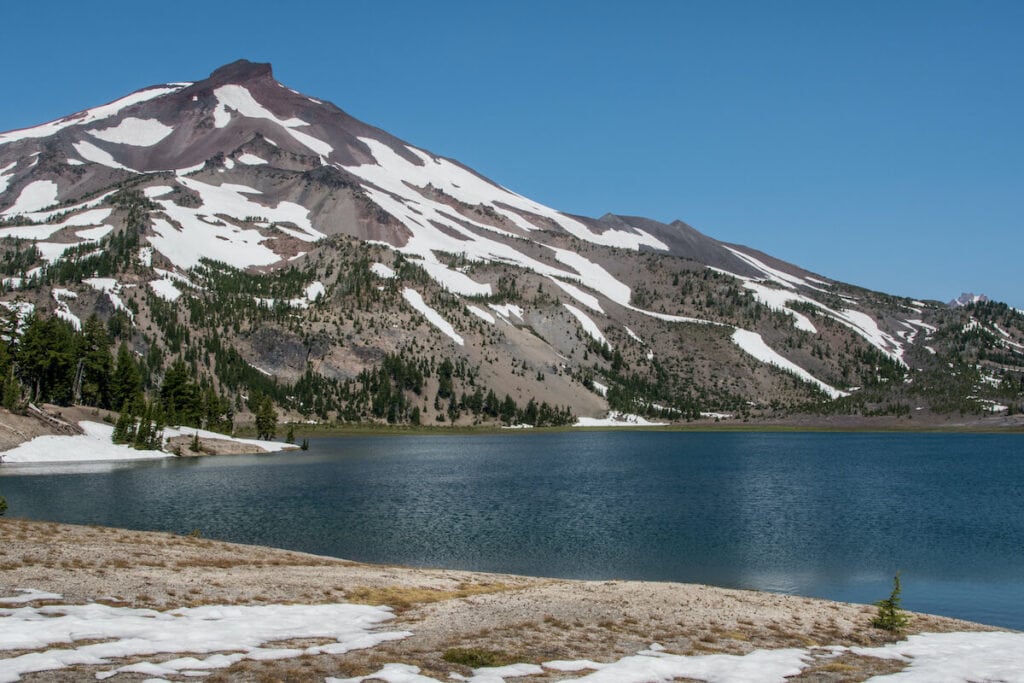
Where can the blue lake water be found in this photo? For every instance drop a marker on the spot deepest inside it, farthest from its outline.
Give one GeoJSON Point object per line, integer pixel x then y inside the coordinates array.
{"type": "Point", "coordinates": [828, 515]}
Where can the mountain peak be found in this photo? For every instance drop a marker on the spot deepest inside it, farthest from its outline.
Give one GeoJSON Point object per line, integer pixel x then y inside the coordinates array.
{"type": "Point", "coordinates": [241, 71]}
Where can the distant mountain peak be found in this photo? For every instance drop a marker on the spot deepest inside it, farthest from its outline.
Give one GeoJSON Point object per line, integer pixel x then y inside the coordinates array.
{"type": "Point", "coordinates": [966, 299]}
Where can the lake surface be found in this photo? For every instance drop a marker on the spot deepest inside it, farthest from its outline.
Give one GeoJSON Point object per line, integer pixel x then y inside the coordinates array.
{"type": "Point", "coordinates": [827, 515]}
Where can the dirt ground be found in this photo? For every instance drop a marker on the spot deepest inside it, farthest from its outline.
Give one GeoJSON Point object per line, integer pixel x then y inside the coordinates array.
{"type": "Point", "coordinates": [512, 618]}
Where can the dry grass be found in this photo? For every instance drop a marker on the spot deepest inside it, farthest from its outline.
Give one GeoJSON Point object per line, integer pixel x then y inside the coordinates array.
{"type": "Point", "coordinates": [403, 598]}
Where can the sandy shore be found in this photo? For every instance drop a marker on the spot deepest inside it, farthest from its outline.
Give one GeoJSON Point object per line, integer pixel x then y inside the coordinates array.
{"type": "Point", "coordinates": [524, 619]}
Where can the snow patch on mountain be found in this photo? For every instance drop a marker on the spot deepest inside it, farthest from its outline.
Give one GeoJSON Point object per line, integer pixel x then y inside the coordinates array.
{"type": "Point", "coordinates": [91, 152]}
{"type": "Point", "coordinates": [415, 299]}
{"type": "Point", "coordinates": [390, 169]}
{"type": "Point", "coordinates": [382, 271]}
{"type": "Point", "coordinates": [6, 175]}
{"type": "Point", "coordinates": [195, 239]}
{"type": "Point", "coordinates": [62, 310]}
{"type": "Point", "coordinates": [588, 300]}
{"type": "Point", "coordinates": [229, 199]}
{"type": "Point", "coordinates": [588, 325]}
{"type": "Point", "coordinates": [91, 115]}
{"type": "Point", "coordinates": [251, 159]}
{"type": "Point", "coordinates": [37, 195]}
{"type": "Point", "coordinates": [133, 131]}
{"type": "Point", "coordinates": [753, 344]}
{"type": "Point", "coordinates": [482, 314]}
{"type": "Point", "coordinates": [237, 98]}
{"type": "Point", "coordinates": [112, 289]}
{"type": "Point", "coordinates": [165, 289]}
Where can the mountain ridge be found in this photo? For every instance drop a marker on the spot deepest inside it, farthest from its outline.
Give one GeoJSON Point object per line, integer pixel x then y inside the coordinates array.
{"type": "Point", "coordinates": [619, 313]}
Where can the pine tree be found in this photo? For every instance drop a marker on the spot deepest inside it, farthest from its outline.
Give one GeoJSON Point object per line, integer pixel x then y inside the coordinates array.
{"type": "Point", "coordinates": [126, 381]}
{"type": "Point", "coordinates": [890, 617]}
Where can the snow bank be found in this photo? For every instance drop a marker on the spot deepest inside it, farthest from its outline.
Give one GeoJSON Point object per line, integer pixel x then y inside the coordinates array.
{"type": "Point", "coordinates": [95, 445]}
{"type": "Point", "coordinates": [616, 419]}
{"type": "Point", "coordinates": [227, 633]}
{"type": "Point", "coordinates": [415, 299]}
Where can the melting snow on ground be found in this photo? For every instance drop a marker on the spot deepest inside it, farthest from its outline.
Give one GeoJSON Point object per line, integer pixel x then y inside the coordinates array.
{"type": "Point", "coordinates": [215, 636]}
{"type": "Point", "coordinates": [754, 344]}
{"type": "Point", "coordinates": [415, 299]}
{"type": "Point", "coordinates": [930, 657]}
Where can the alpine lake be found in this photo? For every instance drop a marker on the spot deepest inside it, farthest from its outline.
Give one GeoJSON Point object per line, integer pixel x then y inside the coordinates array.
{"type": "Point", "coordinates": [831, 515]}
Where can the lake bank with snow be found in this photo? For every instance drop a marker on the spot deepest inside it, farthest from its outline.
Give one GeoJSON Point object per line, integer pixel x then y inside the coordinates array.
{"type": "Point", "coordinates": [333, 619]}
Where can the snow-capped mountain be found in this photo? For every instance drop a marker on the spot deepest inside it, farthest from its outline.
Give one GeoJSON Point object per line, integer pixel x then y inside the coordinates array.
{"type": "Point", "coordinates": [615, 311]}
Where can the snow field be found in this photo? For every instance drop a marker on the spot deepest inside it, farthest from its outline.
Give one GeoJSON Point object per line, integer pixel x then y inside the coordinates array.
{"type": "Point", "coordinates": [415, 299]}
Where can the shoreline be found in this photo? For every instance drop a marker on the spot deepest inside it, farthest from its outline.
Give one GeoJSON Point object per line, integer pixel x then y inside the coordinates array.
{"type": "Point", "coordinates": [526, 618]}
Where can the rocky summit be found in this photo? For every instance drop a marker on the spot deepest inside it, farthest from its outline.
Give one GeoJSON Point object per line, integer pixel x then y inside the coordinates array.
{"type": "Point", "coordinates": [262, 247]}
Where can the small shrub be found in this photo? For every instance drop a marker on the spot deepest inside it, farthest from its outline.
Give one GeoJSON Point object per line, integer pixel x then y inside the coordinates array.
{"type": "Point", "coordinates": [890, 617]}
{"type": "Point", "coordinates": [3, 506]}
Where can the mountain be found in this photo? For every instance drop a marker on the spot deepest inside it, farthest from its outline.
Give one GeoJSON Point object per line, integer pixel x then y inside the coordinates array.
{"type": "Point", "coordinates": [277, 246]}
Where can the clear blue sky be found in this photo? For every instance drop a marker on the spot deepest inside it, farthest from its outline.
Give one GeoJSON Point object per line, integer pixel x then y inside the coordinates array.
{"type": "Point", "coordinates": [879, 143]}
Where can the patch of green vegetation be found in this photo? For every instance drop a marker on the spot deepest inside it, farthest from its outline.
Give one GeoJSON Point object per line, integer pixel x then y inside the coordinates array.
{"type": "Point", "coordinates": [475, 657]}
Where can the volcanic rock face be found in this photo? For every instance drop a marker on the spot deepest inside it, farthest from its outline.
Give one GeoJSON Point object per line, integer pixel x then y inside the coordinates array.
{"type": "Point", "coordinates": [409, 252]}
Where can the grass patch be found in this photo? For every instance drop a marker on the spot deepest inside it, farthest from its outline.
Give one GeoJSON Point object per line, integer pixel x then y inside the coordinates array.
{"type": "Point", "coordinates": [476, 657]}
